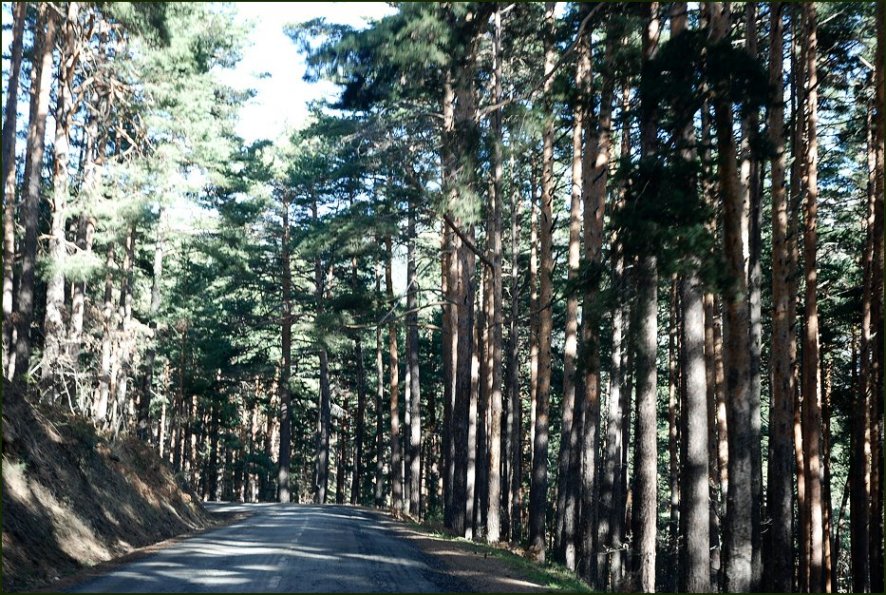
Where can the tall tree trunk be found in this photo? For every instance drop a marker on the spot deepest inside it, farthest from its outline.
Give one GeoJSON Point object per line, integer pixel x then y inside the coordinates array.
{"type": "Point", "coordinates": [570, 455]}
{"type": "Point", "coordinates": [539, 484]}
{"type": "Point", "coordinates": [54, 331]}
{"type": "Point", "coordinates": [780, 558]}
{"type": "Point", "coordinates": [414, 457]}
{"type": "Point", "coordinates": [876, 369]}
{"type": "Point", "coordinates": [674, 413]}
{"type": "Point", "coordinates": [286, 363]}
{"type": "Point", "coordinates": [515, 407]}
{"type": "Point", "coordinates": [593, 170]}
{"type": "Point", "coordinates": [811, 392]}
{"type": "Point", "coordinates": [753, 189]}
{"type": "Point", "coordinates": [396, 456]}
{"type": "Point", "coordinates": [449, 285]}
{"type": "Point", "coordinates": [359, 423]}
{"type": "Point", "coordinates": [379, 407]}
{"type": "Point", "coordinates": [694, 492]}
{"type": "Point", "coordinates": [646, 490]}
{"type": "Point", "coordinates": [19, 12]}
{"type": "Point", "coordinates": [144, 422]}
{"type": "Point", "coordinates": [450, 322]}
{"type": "Point", "coordinates": [44, 42]}
{"type": "Point", "coordinates": [798, 66]}
{"type": "Point", "coordinates": [495, 317]}
{"type": "Point", "coordinates": [474, 446]}
{"type": "Point", "coordinates": [739, 516]}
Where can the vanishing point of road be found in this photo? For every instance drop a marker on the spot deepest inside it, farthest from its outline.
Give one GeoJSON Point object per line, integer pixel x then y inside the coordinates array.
{"type": "Point", "coordinates": [285, 548]}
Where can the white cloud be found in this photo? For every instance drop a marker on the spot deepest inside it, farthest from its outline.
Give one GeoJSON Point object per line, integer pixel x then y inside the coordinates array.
{"type": "Point", "coordinates": [282, 97]}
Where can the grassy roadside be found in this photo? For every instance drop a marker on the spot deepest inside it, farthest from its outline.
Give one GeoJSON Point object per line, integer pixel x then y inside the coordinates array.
{"type": "Point", "coordinates": [553, 577]}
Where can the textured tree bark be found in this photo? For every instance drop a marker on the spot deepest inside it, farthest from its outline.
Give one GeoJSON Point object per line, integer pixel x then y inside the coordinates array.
{"type": "Point", "coordinates": [876, 370]}
{"type": "Point", "coordinates": [359, 423]}
{"type": "Point", "coordinates": [44, 41]}
{"type": "Point", "coordinates": [283, 494]}
{"type": "Point", "coordinates": [396, 456]}
{"type": "Point", "coordinates": [449, 276]}
{"type": "Point", "coordinates": [738, 542]}
{"type": "Point", "coordinates": [798, 66]}
{"type": "Point", "coordinates": [515, 408]}
{"type": "Point", "coordinates": [693, 495]}
{"type": "Point", "coordinates": [594, 177]}
{"type": "Point", "coordinates": [144, 411]}
{"type": "Point", "coordinates": [570, 455]}
{"type": "Point", "coordinates": [414, 380]}
{"type": "Point", "coordinates": [539, 481]}
{"type": "Point", "coordinates": [753, 191]}
{"type": "Point", "coordinates": [611, 508]}
{"type": "Point", "coordinates": [494, 491]}
{"type": "Point", "coordinates": [811, 390]}
{"type": "Point", "coordinates": [19, 11]}
{"type": "Point", "coordinates": [379, 491]}
{"type": "Point", "coordinates": [54, 331]}
{"type": "Point", "coordinates": [646, 490]}
{"type": "Point", "coordinates": [674, 412]}
{"type": "Point", "coordinates": [780, 558]}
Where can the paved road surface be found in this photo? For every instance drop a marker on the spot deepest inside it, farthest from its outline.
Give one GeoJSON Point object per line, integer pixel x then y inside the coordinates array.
{"type": "Point", "coordinates": [285, 548]}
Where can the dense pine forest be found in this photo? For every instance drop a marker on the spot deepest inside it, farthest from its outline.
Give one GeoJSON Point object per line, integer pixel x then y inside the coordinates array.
{"type": "Point", "coordinates": [601, 281]}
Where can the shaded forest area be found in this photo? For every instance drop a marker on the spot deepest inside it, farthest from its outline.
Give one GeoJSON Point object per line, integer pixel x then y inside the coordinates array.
{"type": "Point", "coordinates": [603, 281]}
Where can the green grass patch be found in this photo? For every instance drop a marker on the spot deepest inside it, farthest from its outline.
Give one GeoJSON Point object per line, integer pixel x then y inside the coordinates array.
{"type": "Point", "coordinates": [554, 577]}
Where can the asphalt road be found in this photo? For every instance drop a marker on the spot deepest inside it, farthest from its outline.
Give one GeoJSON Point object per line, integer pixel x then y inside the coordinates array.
{"type": "Point", "coordinates": [285, 548]}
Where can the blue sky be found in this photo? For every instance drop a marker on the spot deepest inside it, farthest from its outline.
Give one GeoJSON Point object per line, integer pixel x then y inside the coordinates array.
{"type": "Point", "coordinates": [281, 99]}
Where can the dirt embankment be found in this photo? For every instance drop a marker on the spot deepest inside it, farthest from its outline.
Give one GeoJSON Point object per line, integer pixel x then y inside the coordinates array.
{"type": "Point", "coordinates": [72, 498]}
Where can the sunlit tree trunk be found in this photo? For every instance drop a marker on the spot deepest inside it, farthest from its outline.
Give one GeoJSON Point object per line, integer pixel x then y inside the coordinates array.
{"type": "Point", "coordinates": [539, 480]}
{"type": "Point", "coordinates": [54, 330]}
{"type": "Point", "coordinates": [283, 471]}
{"type": "Point", "coordinates": [780, 557]}
{"type": "Point", "coordinates": [44, 42]}
{"type": "Point", "coordinates": [876, 366]}
{"type": "Point", "coordinates": [738, 531]}
{"type": "Point", "coordinates": [494, 491]}
{"type": "Point", "coordinates": [396, 456]}
{"type": "Point", "coordinates": [646, 491]}
{"type": "Point", "coordinates": [19, 11]}
{"type": "Point", "coordinates": [811, 389]}
{"type": "Point", "coordinates": [412, 356]}
{"type": "Point", "coordinates": [379, 406]}
{"type": "Point", "coordinates": [570, 454]}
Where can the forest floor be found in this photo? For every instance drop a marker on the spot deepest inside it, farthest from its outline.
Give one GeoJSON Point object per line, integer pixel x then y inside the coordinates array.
{"type": "Point", "coordinates": [72, 498]}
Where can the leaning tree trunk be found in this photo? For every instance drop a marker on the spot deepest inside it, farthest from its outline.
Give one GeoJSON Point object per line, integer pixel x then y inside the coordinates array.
{"type": "Point", "coordinates": [44, 42]}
